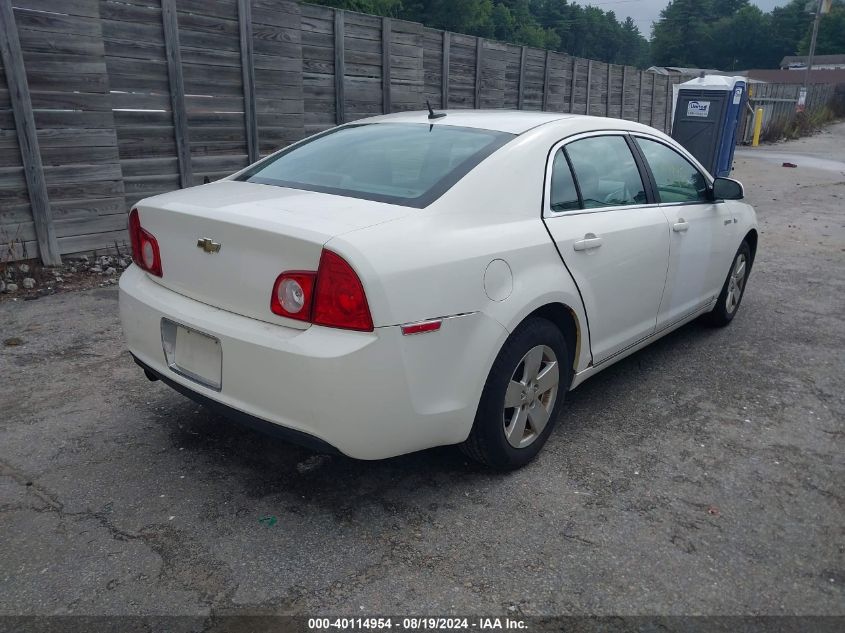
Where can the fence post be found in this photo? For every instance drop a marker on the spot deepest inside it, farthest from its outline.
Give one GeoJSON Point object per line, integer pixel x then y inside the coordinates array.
{"type": "Point", "coordinates": [444, 73]}
{"type": "Point", "coordinates": [653, 90]}
{"type": "Point", "coordinates": [248, 73]}
{"type": "Point", "coordinates": [546, 73]}
{"type": "Point", "coordinates": [177, 92]}
{"type": "Point", "coordinates": [42, 215]}
{"type": "Point", "coordinates": [589, 82]}
{"type": "Point", "coordinates": [386, 71]}
{"type": "Point", "coordinates": [520, 99]}
{"type": "Point", "coordinates": [640, 99]}
{"type": "Point", "coordinates": [624, 88]}
{"type": "Point", "coordinates": [609, 85]}
{"type": "Point", "coordinates": [572, 86]}
{"type": "Point", "coordinates": [339, 68]}
{"type": "Point", "coordinates": [479, 43]}
{"type": "Point", "coordinates": [668, 125]}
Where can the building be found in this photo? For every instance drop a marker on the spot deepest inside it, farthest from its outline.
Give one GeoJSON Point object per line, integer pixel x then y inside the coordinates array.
{"type": "Point", "coordinates": [791, 77]}
{"type": "Point", "coordinates": [820, 62]}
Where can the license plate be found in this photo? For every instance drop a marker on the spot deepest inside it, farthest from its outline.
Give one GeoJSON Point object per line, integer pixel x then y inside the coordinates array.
{"type": "Point", "coordinates": [192, 354]}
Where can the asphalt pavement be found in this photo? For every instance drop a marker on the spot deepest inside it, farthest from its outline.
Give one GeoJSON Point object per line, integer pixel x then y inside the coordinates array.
{"type": "Point", "coordinates": [702, 475]}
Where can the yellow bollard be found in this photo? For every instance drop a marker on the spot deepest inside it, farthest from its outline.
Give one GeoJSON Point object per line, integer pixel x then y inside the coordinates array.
{"type": "Point", "coordinates": [758, 126]}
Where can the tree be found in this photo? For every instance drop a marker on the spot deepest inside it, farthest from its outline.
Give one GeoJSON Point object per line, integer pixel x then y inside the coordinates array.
{"type": "Point", "coordinates": [559, 25]}
{"type": "Point", "coordinates": [735, 35]}
{"type": "Point", "coordinates": [681, 36]}
{"type": "Point", "coordinates": [831, 38]}
{"type": "Point", "coordinates": [390, 8]}
{"type": "Point", "coordinates": [634, 48]}
{"type": "Point", "coordinates": [473, 17]}
{"type": "Point", "coordinates": [741, 40]}
{"type": "Point", "coordinates": [787, 26]}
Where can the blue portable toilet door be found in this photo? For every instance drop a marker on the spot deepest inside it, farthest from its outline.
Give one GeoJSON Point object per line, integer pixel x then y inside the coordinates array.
{"type": "Point", "coordinates": [698, 124]}
{"type": "Point", "coordinates": [725, 156]}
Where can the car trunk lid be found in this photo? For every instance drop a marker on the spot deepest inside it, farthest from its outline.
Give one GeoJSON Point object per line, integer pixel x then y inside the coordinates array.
{"type": "Point", "coordinates": [226, 242]}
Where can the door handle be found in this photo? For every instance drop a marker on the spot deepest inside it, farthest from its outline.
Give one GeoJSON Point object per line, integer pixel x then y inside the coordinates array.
{"type": "Point", "coordinates": [589, 242]}
{"type": "Point", "coordinates": [680, 226]}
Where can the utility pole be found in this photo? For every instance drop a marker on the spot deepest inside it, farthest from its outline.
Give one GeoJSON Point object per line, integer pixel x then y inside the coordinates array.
{"type": "Point", "coordinates": [805, 87]}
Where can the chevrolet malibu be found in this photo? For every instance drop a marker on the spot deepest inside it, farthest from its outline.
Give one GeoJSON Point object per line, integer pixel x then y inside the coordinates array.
{"type": "Point", "coordinates": [418, 279]}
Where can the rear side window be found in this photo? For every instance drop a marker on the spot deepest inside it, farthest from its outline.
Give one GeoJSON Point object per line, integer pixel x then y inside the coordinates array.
{"type": "Point", "coordinates": [563, 195]}
{"type": "Point", "coordinates": [400, 163]}
{"type": "Point", "coordinates": [676, 179]}
{"type": "Point", "coordinates": [606, 172]}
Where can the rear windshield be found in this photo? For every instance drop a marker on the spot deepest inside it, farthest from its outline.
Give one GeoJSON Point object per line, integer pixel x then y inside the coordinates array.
{"type": "Point", "coordinates": [411, 164]}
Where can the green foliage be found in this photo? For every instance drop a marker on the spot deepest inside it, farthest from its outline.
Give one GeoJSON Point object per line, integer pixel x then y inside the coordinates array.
{"type": "Point", "coordinates": [389, 8]}
{"type": "Point", "coordinates": [831, 38]}
{"type": "Point", "coordinates": [722, 34]}
{"type": "Point", "coordinates": [734, 34]}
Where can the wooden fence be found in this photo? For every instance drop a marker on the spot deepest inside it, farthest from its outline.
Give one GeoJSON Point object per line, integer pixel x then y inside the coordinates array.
{"type": "Point", "coordinates": [779, 102]}
{"type": "Point", "coordinates": [110, 101]}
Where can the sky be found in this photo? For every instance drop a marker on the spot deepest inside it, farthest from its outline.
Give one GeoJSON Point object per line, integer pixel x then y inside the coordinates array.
{"type": "Point", "coordinates": [644, 12]}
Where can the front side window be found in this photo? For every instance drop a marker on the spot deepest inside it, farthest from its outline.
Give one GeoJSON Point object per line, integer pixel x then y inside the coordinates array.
{"type": "Point", "coordinates": [400, 163]}
{"type": "Point", "coordinates": [606, 172]}
{"type": "Point", "coordinates": [676, 179]}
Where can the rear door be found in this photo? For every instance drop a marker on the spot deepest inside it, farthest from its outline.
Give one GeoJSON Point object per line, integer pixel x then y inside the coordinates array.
{"type": "Point", "coordinates": [613, 238]}
{"type": "Point", "coordinates": [701, 235]}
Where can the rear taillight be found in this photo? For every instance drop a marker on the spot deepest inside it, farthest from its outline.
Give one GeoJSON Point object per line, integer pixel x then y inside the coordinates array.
{"type": "Point", "coordinates": [333, 296]}
{"type": "Point", "coordinates": [292, 295]}
{"type": "Point", "coordinates": [339, 299]}
{"type": "Point", "coordinates": [145, 251]}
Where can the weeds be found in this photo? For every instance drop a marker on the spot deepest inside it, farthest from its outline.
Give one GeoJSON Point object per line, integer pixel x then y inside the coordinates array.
{"type": "Point", "coordinates": [801, 124]}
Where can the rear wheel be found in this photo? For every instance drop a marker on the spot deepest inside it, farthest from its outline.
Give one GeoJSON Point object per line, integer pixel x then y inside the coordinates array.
{"type": "Point", "coordinates": [522, 397]}
{"type": "Point", "coordinates": [729, 299]}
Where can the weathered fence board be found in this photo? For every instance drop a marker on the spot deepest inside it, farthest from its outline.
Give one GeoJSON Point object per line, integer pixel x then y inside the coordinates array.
{"type": "Point", "coordinates": [68, 80]}
{"type": "Point", "coordinates": [31, 175]}
{"type": "Point", "coordinates": [110, 101]}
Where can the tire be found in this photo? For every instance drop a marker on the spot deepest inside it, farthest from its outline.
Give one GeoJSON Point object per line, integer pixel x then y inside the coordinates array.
{"type": "Point", "coordinates": [506, 438]}
{"type": "Point", "coordinates": [727, 305]}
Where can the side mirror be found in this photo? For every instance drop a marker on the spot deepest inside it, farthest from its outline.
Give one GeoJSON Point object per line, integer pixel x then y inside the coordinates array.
{"type": "Point", "coordinates": [727, 189]}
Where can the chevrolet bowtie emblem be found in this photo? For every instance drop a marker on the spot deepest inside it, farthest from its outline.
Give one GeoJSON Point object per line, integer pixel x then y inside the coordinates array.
{"type": "Point", "coordinates": [208, 245]}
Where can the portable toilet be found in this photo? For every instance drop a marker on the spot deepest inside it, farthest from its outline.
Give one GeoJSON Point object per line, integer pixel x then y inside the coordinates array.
{"type": "Point", "coordinates": [706, 117]}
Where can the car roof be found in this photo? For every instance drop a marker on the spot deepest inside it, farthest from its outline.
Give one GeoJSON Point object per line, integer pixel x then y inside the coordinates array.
{"type": "Point", "coordinates": [510, 121]}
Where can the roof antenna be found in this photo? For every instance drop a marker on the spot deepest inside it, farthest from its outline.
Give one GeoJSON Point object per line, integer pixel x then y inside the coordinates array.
{"type": "Point", "coordinates": [432, 114]}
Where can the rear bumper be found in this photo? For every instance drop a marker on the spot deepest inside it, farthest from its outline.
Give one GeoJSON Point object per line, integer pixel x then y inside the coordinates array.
{"type": "Point", "coordinates": [370, 395]}
{"type": "Point", "coordinates": [264, 426]}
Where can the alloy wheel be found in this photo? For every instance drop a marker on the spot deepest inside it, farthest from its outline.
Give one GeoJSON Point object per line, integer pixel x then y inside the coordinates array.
{"type": "Point", "coordinates": [530, 396]}
{"type": "Point", "coordinates": [736, 282]}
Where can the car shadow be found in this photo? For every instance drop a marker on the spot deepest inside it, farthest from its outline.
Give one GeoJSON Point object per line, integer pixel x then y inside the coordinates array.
{"type": "Point", "coordinates": [268, 466]}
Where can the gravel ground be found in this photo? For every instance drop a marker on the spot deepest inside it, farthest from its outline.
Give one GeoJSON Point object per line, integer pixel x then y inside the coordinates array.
{"type": "Point", "coordinates": [703, 475]}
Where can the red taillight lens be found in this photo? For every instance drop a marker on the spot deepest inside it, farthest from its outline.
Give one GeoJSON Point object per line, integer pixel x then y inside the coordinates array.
{"type": "Point", "coordinates": [292, 294]}
{"type": "Point", "coordinates": [145, 251]}
{"type": "Point", "coordinates": [333, 296]}
{"type": "Point", "coordinates": [339, 299]}
{"type": "Point", "coordinates": [135, 235]}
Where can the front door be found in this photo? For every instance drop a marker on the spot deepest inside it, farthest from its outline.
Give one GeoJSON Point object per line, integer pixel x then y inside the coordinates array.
{"type": "Point", "coordinates": [700, 236]}
{"type": "Point", "coordinates": [615, 244]}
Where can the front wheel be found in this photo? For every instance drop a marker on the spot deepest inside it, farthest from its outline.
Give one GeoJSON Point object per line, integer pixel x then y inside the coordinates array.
{"type": "Point", "coordinates": [729, 299]}
{"type": "Point", "coordinates": [521, 398]}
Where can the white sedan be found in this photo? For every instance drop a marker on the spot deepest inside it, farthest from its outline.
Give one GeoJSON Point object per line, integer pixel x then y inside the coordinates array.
{"type": "Point", "coordinates": [410, 281]}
